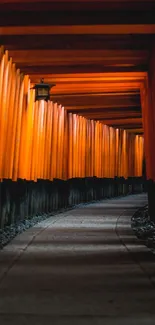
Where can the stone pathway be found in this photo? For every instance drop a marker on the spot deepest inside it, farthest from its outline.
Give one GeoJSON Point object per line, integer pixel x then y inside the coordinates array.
{"type": "Point", "coordinates": [81, 267]}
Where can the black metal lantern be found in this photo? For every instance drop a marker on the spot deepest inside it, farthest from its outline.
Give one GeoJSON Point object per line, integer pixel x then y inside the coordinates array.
{"type": "Point", "coordinates": [42, 90]}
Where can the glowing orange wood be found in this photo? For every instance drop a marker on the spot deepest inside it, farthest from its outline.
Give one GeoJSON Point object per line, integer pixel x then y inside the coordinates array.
{"type": "Point", "coordinates": [70, 163]}
{"type": "Point", "coordinates": [18, 132]}
{"type": "Point", "coordinates": [43, 141]}
{"type": "Point", "coordinates": [79, 29]}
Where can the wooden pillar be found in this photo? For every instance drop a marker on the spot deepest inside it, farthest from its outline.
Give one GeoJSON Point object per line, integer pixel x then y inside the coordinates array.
{"type": "Point", "coordinates": [148, 109]}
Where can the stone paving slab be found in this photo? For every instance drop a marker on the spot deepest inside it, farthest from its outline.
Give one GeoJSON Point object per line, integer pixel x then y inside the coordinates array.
{"type": "Point", "coordinates": [81, 267]}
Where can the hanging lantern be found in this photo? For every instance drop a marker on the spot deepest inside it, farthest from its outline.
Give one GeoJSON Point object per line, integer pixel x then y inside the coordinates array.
{"type": "Point", "coordinates": [42, 90]}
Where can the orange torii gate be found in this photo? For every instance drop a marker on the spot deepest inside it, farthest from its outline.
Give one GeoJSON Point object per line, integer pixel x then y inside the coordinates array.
{"type": "Point", "coordinates": [40, 140]}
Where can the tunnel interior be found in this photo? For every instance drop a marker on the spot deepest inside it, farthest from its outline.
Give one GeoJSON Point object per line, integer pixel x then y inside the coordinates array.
{"type": "Point", "coordinates": [98, 122]}
{"type": "Point", "coordinates": [77, 171]}
{"type": "Point", "coordinates": [96, 52]}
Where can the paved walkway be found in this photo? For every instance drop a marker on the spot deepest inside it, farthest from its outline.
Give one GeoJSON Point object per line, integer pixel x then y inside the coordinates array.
{"type": "Point", "coordinates": [83, 267]}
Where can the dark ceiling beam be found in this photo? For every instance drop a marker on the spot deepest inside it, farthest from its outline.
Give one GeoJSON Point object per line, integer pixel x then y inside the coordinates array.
{"type": "Point", "coordinates": [71, 107]}
{"type": "Point", "coordinates": [80, 108]}
{"type": "Point", "coordinates": [107, 101]}
{"type": "Point", "coordinates": [139, 131]}
{"type": "Point", "coordinates": [82, 57]}
{"type": "Point", "coordinates": [78, 17]}
{"type": "Point", "coordinates": [78, 68]}
{"type": "Point", "coordinates": [111, 120]}
{"type": "Point", "coordinates": [27, 5]}
{"type": "Point", "coordinates": [120, 115]}
{"type": "Point", "coordinates": [124, 121]}
{"type": "Point", "coordinates": [109, 62]}
{"type": "Point", "coordinates": [105, 110]}
{"type": "Point", "coordinates": [126, 125]}
{"type": "Point", "coordinates": [77, 42]}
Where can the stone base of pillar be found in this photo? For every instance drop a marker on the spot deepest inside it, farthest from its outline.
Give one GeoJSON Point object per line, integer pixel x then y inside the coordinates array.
{"type": "Point", "coordinates": [151, 199]}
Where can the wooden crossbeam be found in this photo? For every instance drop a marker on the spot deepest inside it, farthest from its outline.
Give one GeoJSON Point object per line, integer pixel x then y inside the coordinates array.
{"type": "Point", "coordinates": [116, 29]}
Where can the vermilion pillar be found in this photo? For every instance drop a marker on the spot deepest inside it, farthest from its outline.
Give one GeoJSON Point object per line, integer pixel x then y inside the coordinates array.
{"type": "Point", "coordinates": [148, 109]}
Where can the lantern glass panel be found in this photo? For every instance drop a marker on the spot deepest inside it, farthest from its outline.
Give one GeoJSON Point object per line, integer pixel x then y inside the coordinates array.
{"type": "Point", "coordinates": [43, 91]}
